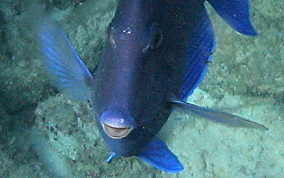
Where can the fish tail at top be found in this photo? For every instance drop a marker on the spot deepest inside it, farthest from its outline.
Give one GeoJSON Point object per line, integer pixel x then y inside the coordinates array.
{"type": "Point", "coordinates": [236, 13]}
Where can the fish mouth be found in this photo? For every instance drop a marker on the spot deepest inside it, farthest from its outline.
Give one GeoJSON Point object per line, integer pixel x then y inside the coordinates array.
{"type": "Point", "coordinates": [116, 132]}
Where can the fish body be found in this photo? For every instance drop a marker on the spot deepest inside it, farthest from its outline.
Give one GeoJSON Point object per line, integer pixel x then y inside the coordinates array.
{"type": "Point", "coordinates": [157, 53]}
{"type": "Point", "coordinates": [144, 63]}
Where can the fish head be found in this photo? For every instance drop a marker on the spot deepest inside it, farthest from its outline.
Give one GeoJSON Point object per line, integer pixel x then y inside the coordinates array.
{"type": "Point", "coordinates": [129, 95]}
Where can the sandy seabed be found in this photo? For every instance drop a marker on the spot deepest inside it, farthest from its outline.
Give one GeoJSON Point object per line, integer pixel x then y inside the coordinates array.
{"type": "Point", "coordinates": [45, 135]}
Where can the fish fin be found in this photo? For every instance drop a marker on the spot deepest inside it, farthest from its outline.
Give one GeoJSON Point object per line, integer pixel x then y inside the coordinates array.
{"type": "Point", "coordinates": [219, 116]}
{"type": "Point", "coordinates": [157, 154]}
{"type": "Point", "coordinates": [68, 72]}
{"type": "Point", "coordinates": [202, 45]}
{"type": "Point", "coordinates": [111, 157]}
{"type": "Point", "coordinates": [236, 14]}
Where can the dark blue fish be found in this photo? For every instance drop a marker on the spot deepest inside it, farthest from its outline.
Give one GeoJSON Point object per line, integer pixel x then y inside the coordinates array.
{"type": "Point", "coordinates": [157, 53]}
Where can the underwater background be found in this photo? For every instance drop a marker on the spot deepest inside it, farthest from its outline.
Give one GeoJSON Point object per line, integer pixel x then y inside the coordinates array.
{"type": "Point", "coordinates": [42, 134]}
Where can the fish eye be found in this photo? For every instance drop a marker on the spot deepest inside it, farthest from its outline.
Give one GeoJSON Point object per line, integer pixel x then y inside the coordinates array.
{"type": "Point", "coordinates": [156, 37]}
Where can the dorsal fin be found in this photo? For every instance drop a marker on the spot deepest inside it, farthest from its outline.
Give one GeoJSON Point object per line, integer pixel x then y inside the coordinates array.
{"type": "Point", "coordinates": [202, 45]}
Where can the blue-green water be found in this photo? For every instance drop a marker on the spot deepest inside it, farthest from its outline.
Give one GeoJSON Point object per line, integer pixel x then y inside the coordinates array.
{"type": "Point", "coordinates": [45, 135]}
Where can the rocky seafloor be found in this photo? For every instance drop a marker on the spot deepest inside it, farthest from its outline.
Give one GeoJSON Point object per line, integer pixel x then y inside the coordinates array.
{"type": "Point", "coordinates": [45, 135]}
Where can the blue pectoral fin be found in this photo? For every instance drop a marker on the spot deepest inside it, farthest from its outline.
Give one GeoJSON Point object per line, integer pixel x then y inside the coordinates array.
{"type": "Point", "coordinates": [219, 116]}
{"type": "Point", "coordinates": [236, 14]}
{"type": "Point", "coordinates": [157, 154]}
{"type": "Point", "coordinates": [68, 72]}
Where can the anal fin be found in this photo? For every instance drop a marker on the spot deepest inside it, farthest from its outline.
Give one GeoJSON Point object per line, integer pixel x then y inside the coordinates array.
{"type": "Point", "coordinates": [157, 154]}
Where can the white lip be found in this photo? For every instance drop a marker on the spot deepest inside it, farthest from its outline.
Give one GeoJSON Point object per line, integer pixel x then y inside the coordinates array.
{"type": "Point", "coordinates": [116, 132]}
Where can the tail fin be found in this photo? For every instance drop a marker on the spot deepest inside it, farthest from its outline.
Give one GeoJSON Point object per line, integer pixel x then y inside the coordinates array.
{"type": "Point", "coordinates": [236, 14]}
